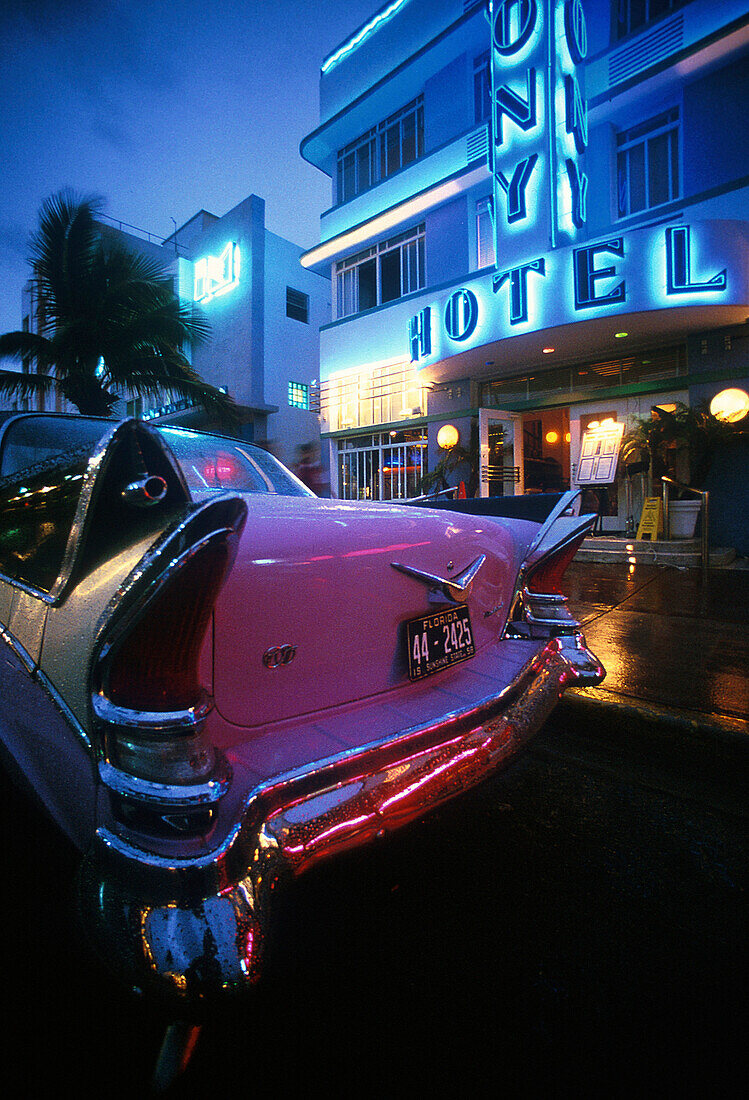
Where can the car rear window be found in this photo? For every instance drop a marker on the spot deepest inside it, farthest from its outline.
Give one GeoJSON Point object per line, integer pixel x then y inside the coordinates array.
{"type": "Point", "coordinates": [213, 463]}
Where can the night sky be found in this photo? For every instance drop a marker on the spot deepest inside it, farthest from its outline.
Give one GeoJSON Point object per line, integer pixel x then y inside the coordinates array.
{"type": "Point", "coordinates": [163, 108]}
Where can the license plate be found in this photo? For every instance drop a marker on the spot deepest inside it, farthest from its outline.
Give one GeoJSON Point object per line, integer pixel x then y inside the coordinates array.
{"type": "Point", "coordinates": [438, 641]}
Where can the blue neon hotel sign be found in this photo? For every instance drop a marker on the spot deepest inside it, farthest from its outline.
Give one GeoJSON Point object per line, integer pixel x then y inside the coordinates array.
{"type": "Point", "coordinates": [651, 268]}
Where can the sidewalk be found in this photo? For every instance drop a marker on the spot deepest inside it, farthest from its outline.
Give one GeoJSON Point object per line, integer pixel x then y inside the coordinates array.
{"type": "Point", "coordinates": [675, 647]}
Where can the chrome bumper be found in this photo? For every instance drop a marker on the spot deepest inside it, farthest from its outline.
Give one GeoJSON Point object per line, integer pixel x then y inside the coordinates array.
{"type": "Point", "coordinates": [194, 929]}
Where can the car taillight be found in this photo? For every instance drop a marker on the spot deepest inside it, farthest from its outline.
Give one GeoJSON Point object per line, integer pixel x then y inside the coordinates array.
{"type": "Point", "coordinates": [155, 668]}
{"type": "Point", "coordinates": [543, 604]}
{"type": "Point", "coordinates": [147, 698]}
{"type": "Point", "coordinates": [546, 577]}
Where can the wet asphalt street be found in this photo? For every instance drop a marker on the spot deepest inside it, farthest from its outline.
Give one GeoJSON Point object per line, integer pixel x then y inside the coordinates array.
{"type": "Point", "coordinates": [577, 925]}
{"type": "Point", "coordinates": [668, 638]}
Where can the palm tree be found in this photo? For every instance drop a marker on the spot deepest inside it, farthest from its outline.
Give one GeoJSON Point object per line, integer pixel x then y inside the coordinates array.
{"type": "Point", "coordinates": [111, 323]}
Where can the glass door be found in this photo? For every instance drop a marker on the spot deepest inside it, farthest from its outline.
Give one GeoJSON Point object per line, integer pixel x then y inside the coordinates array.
{"type": "Point", "coordinates": [500, 452]}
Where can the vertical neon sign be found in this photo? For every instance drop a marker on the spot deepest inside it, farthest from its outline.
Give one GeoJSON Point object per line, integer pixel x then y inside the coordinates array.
{"type": "Point", "coordinates": [520, 164]}
{"type": "Point", "coordinates": [539, 136]}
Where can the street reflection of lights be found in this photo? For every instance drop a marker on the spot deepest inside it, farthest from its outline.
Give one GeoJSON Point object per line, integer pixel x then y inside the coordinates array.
{"type": "Point", "coordinates": [629, 547]}
{"type": "Point", "coordinates": [632, 561]}
{"type": "Point", "coordinates": [631, 570]}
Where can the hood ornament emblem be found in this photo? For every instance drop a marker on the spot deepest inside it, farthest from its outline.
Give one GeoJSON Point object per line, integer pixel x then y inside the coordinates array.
{"type": "Point", "coordinates": [454, 588]}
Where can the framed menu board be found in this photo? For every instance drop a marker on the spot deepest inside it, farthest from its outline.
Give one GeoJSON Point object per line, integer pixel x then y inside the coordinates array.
{"type": "Point", "coordinates": [599, 453]}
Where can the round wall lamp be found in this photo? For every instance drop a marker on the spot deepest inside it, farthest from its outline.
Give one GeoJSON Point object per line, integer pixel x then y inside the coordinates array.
{"type": "Point", "coordinates": [552, 436]}
{"type": "Point", "coordinates": [448, 436]}
{"type": "Point", "coordinates": [730, 405]}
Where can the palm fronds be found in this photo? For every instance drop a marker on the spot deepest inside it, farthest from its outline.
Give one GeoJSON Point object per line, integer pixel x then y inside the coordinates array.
{"type": "Point", "coordinates": [111, 324]}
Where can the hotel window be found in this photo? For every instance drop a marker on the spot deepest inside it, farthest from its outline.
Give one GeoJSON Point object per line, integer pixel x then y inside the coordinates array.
{"type": "Point", "coordinates": [647, 164]}
{"type": "Point", "coordinates": [297, 305]}
{"type": "Point", "coordinates": [299, 395]}
{"type": "Point", "coordinates": [380, 274]}
{"type": "Point", "coordinates": [630, 15]}
{"type": "Point", "coordinates": [485, 233]}
{"type": "Point", "coordinates": [381, 151]}
{"type": "Point", "coordinates": [482, 97]}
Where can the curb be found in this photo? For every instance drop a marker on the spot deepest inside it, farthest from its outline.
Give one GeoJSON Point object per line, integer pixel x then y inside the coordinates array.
{"type": "Point", "coordinates": [722, 735]}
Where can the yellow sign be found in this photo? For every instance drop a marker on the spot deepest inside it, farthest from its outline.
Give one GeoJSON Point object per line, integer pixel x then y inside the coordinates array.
{"type": "Point", "coordinates": [651, 520]}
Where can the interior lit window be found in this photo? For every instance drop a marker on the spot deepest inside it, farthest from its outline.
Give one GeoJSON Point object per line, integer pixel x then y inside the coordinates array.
{"type": "Point", "coordinates": [299, 395]}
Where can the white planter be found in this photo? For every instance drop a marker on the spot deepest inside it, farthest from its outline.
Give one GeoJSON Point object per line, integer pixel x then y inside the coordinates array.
{"type": "Point", "coordinates": [682, 516]}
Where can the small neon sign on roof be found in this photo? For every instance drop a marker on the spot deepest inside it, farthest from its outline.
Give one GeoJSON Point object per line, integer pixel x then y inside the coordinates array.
{"type": "Point", "coordinates": [215, 275]}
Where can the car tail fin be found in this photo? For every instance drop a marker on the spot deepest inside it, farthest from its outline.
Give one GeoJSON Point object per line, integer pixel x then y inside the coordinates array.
{"type": "Point", "coordinates": [540, 606]}
{"type": "Point", "coordinates": [148, 701]}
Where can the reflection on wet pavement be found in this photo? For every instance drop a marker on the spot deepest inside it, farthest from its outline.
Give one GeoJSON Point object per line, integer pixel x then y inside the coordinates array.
{"type": "Point", "coordinates": [667, 636]}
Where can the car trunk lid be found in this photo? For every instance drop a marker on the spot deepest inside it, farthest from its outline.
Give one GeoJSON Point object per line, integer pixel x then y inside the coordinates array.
{"type": "Point", "coordinates": [313, 615]}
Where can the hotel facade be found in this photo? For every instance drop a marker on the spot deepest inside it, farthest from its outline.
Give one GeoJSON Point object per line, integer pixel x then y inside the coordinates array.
{"type": "Point", "coordinates": [538, 224]}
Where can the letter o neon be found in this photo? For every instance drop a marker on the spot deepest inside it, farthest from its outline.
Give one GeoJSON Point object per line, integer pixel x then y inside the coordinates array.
{"type": "Point", "coordinates": [508, 39]}
{"type": "Point", "coordinates": [575, 30]}
{"type": "Point", "coordinates": [461, 314]}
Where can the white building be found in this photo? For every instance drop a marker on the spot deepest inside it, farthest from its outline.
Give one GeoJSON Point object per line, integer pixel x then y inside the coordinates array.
{"type": "Point", "coordinates": [265, 311]}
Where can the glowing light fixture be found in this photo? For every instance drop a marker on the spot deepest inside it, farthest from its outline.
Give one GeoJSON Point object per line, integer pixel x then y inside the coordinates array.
{"type": "Point", "coordinates": [620, 335]}
{"type": "Point", "coordinates": [567, 437]}
{"type": "Point", "coordinates": [552, 436]}
{"type": "Point", "coordinates": [730, 405]}
{"type": "Point", "coordinates": [447, 437]}
{"type": "Point", "coordinates": [368, 29]}
{"type": "Point", "coordinates": [548, 351]}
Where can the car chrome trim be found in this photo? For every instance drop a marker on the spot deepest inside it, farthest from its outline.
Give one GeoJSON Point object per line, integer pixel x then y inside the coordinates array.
{"type": "Point", "coordinates": [152, 721]}
{"type": "Point", "coordinates": [36, 673]}
{"type": "Point", "coordinates": [566, 504]}
{"type": "Point", "coordinates": [224, 515]}
{"type": "Point", "coordinates": [456, 588]}
{"type": "Point", "coordinates": [165, 919]}
{"type": "Point", "coordinates": [20, 650]}
{"type": "Point", "coordinates": [29, 589]}
{"type": "Point", "coordinates": [164, 795]}
{"type": "Point", "coordinates": [98, 462]}
{"type": "Point", "coordinates": [62, 706]}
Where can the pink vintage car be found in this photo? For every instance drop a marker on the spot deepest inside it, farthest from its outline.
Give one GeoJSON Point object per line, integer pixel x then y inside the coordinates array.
{"type": "Point", "coordinates": [213, 679]}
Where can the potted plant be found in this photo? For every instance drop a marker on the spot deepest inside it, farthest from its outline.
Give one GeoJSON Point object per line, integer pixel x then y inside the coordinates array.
{"type": "Point", "coordinates": [680, 444]}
